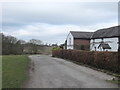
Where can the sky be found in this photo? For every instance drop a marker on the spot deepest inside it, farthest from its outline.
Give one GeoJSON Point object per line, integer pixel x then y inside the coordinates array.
{"type": "Point", "coordinates": [51, 21]}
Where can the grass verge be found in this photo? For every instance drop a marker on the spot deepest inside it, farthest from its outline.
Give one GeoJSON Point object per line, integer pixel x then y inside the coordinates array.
{"type": "Point", "coordinates": [114, 81]}
{"type": "Point", "coordinates": [14, 70]}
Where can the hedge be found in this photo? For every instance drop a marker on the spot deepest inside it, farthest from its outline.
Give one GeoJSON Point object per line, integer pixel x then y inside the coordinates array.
{"type": "Point", "coordinates": [101, 60]}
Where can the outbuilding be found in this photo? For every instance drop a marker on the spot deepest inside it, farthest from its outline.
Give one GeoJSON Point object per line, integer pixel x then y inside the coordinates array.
{"type": "Point", "coordinates": [78, 40]}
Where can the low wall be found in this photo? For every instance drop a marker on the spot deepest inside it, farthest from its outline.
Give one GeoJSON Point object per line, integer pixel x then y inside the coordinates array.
{"type": "Point", "coordinates": [102, 60]}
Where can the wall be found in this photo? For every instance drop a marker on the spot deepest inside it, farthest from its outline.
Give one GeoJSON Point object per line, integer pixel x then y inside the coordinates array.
{"type": "Point", "coordinates": [79, 42]}
{"type": "Point", "coordinates": [113, 45]}
{"type": "Point", "coordinates": [70, 45]}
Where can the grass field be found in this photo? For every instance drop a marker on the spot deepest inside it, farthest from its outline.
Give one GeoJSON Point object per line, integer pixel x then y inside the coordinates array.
{"type": "Point", "coordinates": [14, 70]}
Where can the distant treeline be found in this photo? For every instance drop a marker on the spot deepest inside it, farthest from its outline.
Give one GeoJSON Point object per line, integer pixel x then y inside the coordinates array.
{"type": "Point", "coordinates": [11, 45]}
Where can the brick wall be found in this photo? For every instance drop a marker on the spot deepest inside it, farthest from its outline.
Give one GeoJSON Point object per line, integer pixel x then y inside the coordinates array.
{"type": "Point", "coordinates": [81, 44]}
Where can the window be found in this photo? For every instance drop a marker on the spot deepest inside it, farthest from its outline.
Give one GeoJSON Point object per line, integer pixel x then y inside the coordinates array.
{"type": "Point", "coordinates": [93, 40]}
{"type": "Point", "coordinates": [69, 41]}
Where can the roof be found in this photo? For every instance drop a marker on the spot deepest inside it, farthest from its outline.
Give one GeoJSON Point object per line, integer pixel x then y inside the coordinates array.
{"type": "Point", "coordinates": [106, 33]}
{"type": "Point", "coordinates": [81, 35]}
{"type": "Point", "coordinates": [104, 46]}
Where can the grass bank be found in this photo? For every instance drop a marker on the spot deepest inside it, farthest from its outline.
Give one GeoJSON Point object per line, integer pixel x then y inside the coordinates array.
{"type": "Point", "coordinates": [114, 81]}
{"type": "Point", "coordinates": [14, 70]}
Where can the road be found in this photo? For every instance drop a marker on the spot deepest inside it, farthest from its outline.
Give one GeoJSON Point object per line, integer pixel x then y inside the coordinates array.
{"type": "Point", "coordinates": [48, 72]}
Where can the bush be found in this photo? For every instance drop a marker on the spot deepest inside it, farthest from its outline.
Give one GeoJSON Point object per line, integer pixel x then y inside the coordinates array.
{"type": "Point", "coordinates": [56, 48]}
{"type": "Point", "coordinates": [102, 60]}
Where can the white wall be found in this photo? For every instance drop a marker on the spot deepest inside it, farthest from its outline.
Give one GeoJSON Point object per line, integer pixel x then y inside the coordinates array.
{"type": "Point", "coordinates": [113, 45]}
{"type": "Point", "coordinates": [70, 45]}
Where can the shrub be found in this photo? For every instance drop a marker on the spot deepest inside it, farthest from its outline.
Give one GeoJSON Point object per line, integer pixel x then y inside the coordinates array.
{"type": "Point", "coordinates": [56, 48]}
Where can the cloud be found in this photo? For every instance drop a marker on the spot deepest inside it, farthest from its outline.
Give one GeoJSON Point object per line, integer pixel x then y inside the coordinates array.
{"type": "Point", "coordinates": [52, 21]}
{"type": "Point", "coordinates": [59, 13]}
{"type": "Point", "coordinates": [50, 33]}
{"type": "Point", "coordinates": [59, 1]}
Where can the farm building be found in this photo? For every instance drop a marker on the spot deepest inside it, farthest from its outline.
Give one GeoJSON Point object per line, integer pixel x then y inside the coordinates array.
{"type": "Point", "coordinates": [78, 40]}
{"type": "Point", "coordinates": [105, 39]}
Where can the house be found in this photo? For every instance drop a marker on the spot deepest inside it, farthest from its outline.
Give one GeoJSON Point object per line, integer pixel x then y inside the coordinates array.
{"type": "Point", "coordinates": [78, 40]}
{"type": "Point", "coordinates": [105, 39]}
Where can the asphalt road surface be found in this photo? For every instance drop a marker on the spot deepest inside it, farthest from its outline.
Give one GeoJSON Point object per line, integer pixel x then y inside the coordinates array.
{"type": "Point", "coordinates": [48, 72]}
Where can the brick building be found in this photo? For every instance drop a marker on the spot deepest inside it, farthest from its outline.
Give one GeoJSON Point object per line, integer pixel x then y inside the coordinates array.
{"type": "Point", "coordinates": [78, 40]}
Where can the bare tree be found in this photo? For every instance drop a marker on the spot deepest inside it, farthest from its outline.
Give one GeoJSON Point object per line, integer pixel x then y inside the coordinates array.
{"type": "Point", "coordinates": [22, 42]}
{"type": "Point", "coordinates": [35, 41]}
{"type": "Point", "coordinates": [10, 45]}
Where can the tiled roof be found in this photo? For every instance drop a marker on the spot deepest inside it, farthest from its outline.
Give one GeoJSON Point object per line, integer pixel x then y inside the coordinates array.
{"type": "Point", "coordinates": [81, 35]}
{"type": "Point", "coordinates": [107, 32]}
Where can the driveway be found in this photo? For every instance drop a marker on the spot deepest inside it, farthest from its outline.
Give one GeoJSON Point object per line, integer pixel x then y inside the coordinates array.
{"type": "Point", "coordinates": [49, 72]}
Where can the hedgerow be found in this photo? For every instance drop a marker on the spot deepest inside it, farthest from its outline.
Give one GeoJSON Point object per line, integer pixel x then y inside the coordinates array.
{"type": "Point", "coordinates": [101, 60]}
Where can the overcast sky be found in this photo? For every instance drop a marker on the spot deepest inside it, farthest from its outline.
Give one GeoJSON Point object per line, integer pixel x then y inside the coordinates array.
{"type": "Point", "coordinates": [52, 21]}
